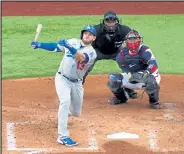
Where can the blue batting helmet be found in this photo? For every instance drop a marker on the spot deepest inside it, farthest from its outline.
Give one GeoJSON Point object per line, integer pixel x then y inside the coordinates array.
{"type": "Point", "coordinates": [90, 29]}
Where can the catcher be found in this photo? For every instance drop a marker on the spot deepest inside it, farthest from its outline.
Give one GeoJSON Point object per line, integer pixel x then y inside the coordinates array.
{"type": "Point", "coordinates": [140, 71]}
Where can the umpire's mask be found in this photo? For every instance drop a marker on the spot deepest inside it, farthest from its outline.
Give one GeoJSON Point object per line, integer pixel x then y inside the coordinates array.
{"type": "Point", "coordinates": [110, 21]}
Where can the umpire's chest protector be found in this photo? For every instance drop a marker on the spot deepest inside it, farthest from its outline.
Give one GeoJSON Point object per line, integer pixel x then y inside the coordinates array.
{"type": "Point", "coordinates": [132, 63]}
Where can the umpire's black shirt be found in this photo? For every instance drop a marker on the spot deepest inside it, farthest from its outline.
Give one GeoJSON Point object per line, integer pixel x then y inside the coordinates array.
{"type": "Point", "coordinates": [108, 43]}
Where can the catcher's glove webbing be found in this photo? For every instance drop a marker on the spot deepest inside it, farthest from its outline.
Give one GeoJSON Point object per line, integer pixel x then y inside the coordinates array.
{"type": "Point", "coordinates": [151, 85]}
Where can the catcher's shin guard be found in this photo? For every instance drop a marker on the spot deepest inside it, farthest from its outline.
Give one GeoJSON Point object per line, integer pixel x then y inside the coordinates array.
{"type": "Point", "coordinates": [114, 101]}
{"type": "Point", "coordinates": [154, 100]}
{"type": "Point", "coordinates": [156, 105]}
{"type": "Point", "coordinates": [152, 88]}
{"type": "Point", "coordinates": [131, 93]}
{"type": "Point", "coordinates": [121, 96]}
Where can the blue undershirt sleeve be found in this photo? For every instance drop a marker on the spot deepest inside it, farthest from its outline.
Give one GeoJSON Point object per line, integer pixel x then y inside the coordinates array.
{"type": "Point", "coordinates": [49, 46]}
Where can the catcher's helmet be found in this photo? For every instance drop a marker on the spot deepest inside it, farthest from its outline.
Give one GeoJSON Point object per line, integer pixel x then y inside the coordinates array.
{"type": "Point", "coordinates": [90, 29]}
{"type": "Point", "coordinates": [110, 17]}
{"type": "Point", "coordinates": [133, 41]}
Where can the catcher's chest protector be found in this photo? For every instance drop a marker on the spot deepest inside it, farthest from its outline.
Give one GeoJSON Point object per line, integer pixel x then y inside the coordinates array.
{"type": "Point", "coordinates": [131, 63]}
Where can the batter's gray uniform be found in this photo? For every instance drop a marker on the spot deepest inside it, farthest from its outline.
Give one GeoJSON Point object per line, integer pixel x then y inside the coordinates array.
{"type": "Point", "coordinates": [68, 83]}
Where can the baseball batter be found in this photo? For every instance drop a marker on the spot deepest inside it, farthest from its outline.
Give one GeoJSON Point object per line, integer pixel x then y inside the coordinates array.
{"type": "Point", "coordinates": [79, 56]}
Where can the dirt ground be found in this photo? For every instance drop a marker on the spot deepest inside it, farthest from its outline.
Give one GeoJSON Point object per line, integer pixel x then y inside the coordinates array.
{"type": "Point", "coordinates": [29, 106]}
{"type": "Point", "coordinates": [33, 105]}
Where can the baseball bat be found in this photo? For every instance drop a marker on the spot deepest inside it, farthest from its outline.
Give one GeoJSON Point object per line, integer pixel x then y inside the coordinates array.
{"type": "Point", "coordinates": [38, 30]}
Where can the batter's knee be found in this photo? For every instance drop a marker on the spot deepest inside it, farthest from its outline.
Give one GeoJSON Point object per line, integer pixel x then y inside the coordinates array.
{"type": "Point", "coordinates": [64, 102]}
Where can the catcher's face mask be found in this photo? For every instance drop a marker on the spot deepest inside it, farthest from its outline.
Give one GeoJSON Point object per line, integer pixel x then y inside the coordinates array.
{"type": "Point", "coordinates": [133, 42]}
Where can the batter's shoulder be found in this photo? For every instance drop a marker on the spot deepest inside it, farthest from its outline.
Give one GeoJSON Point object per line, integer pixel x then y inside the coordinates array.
{"type": "Point", "coordinates": [91, 52]}
{"type": "Point", "coordinates": [73, 40]}
{"type": "Point", "coordinates": [92, 49]}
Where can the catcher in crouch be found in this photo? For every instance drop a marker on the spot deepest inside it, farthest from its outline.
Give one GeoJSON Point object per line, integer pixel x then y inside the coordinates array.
{"type": "Point", "coordinates": [140, 71]}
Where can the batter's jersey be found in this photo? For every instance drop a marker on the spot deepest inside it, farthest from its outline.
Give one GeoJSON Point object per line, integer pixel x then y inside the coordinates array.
{"type": "Point", "coordinates": [134, 63]}
{"type": "Point", "coordinates": [72, 68]}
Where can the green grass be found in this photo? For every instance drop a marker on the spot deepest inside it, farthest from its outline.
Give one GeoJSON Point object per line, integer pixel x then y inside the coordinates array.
{"type": "Point", "coordinates": [163, 33]}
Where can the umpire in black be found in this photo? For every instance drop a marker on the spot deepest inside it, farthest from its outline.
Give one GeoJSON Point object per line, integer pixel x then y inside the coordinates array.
{"type": "Point", "coordinates": [109, 39]}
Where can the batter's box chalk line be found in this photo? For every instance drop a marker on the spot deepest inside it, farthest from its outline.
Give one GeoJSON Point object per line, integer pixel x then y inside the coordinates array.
{"type": "Point", "coordinates": [153, 140]}
{"type": "Point", "coordinates": [11, 141]}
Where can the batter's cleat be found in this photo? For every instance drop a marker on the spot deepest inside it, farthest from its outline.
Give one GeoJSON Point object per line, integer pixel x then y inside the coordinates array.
{"type": "Point", "coordinates": [156, 105]}
{"type": "Point", "coordinates": [67, 141]}
{"type": "Point", "coordinates": [114, 101]}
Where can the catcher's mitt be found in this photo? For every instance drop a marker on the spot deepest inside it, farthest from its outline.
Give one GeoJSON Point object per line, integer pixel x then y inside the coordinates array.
{"type": "Point", "coordinates": [138, 77]}
{"type": "Point", "coordinates": [149, 80]}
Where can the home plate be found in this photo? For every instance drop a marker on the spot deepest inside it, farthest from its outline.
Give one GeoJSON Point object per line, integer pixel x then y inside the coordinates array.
{"type": "Point", "coordinates": [123, 135]}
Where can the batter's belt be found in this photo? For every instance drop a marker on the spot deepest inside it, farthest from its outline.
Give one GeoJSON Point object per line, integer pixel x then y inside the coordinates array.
{"type": "Point", "coordinates": [72, 80]}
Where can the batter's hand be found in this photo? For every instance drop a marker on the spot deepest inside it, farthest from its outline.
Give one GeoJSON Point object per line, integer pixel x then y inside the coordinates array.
{"type": "Point", "coordinates": [79, 57]}
{"type": "Point", "coordinates": [35, 44]}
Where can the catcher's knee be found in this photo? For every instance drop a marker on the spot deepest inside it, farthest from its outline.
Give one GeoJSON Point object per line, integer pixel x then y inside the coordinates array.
{"type": "Point", "coordinates": [114, 82]}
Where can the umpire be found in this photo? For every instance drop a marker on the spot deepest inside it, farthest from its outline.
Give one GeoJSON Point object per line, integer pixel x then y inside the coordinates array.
{"type": "Point", "coordinates": [109, 39]}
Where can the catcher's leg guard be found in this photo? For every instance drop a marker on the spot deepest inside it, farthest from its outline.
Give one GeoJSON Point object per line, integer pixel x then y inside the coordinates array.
{"type": "Point", "coordinates": [115, 85]}
{"type": "Point", "coordinates": [154, 100]}
{"type": "Point", "coordinates": [132, 93]}
{"type": "Point", "coordinates": [152, 89]}
{"type": "Point", "coordinates": [119, 97]}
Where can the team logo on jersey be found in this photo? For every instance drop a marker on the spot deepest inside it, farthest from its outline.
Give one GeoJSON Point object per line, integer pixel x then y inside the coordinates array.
{"type": "Point", "coordinates": [132, 65]}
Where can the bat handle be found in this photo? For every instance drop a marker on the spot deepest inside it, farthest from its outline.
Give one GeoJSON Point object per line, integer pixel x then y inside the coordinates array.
{"type": "Point", "coordinates": [36, 37]}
